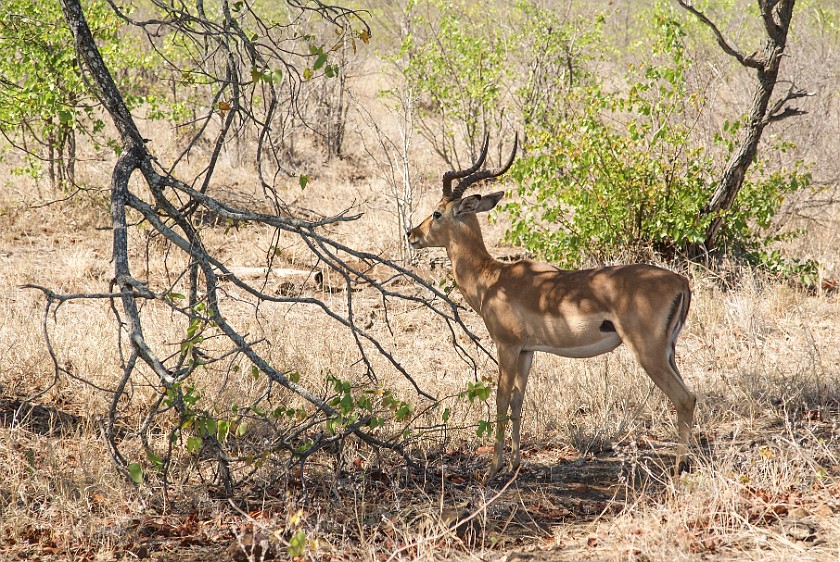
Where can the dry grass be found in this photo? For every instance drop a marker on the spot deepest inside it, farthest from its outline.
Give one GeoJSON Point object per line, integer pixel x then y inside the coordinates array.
{"type": "Point", "coordinates": [761, 354]}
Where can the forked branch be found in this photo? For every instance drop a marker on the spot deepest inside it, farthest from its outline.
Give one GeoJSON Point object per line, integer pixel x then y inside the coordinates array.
{"type": "Point", "coordinates": [780, 110]}
{"type": "Point", "coordinates": [168, 210]}
{"type": "Point", "coordinates": [725, 44]}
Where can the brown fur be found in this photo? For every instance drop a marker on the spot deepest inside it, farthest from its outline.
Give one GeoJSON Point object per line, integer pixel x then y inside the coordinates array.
{"type": "Point", "coordinates": [529, 306]}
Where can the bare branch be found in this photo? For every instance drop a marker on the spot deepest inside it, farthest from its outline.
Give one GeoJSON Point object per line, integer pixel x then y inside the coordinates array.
{"type": "Point", "coordinates": [779, 111]}
{"type": "Point", "coordinates": [725, 44]}
{"type": "Point", "coordinates": [229, 58]}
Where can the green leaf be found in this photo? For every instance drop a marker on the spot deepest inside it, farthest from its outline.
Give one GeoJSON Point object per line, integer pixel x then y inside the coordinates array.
{"type": "Point", "coordinates": [223, 431]}
{"type": "Point", "coordinates": [135, 472]}
{"type": "Point", "coordinates": [155, 460]}
{"type": "Point", "coordinates": [347, 404]}
{"type": "Point", "coordinates": [194, 443]}
{"type": "Point", "coordinates": [303, 180]}
{"type": "Point", "coordinates": [297, 544]}
{"type": "Point", "coordinates": [333, 423]}
{"type": "Point", "coordinates": [320, 61]}
{"type": "Point", "coordinates": [402, 412]}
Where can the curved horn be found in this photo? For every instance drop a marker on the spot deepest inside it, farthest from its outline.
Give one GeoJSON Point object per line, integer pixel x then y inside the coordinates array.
{"type": "Point", "coordinates": [457, 174]}
{"type": "Point", "coordinates": [485, 174]}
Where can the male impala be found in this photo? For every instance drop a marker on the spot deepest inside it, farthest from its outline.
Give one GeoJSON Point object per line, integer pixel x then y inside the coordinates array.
{"type": "Point", "coordinates": [529, 306]}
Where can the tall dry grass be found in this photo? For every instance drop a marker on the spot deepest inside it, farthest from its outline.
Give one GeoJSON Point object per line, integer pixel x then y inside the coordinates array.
{"type": "Point", "coordinates": [760, 353]}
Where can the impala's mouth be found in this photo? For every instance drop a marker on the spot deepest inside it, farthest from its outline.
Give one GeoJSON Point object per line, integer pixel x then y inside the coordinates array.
{"type": "Point", "coordinates": [412, 240]}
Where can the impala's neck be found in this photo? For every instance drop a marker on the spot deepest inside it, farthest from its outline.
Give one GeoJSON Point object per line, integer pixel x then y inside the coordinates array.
{"type": "Point", "coordinates": [472, 265]}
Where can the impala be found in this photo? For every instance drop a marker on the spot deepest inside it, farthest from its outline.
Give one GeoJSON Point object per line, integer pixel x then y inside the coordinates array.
{"type": "Point", "coordinates": [529, 306]}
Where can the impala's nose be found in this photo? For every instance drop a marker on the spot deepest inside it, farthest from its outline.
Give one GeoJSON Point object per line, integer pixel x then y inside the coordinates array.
{"type": "Point", "coordinates": [412, 240]}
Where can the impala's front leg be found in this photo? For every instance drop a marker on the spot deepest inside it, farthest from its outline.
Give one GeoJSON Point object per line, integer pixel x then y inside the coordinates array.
{"type": "Point", "coordinates": [523, 367]}
{"type": "Point", "coordinates": [502, 403]}
{"type": "Point", "coordinates": [507, 377]}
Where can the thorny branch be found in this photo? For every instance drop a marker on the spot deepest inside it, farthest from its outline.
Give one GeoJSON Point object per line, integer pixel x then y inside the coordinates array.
{"type": "Point", "coordinates": [226, 57]}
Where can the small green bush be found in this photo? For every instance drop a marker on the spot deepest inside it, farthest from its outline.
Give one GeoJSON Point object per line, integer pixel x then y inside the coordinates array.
{"type": "Point", "coordinates": [618, 171]}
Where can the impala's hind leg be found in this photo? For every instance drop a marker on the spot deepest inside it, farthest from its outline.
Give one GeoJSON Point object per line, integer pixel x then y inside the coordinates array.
{"type": "Point", "coordinates": [657, 359]}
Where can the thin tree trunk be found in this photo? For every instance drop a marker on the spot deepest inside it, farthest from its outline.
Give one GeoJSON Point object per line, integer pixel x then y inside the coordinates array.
{"type": "Point", "coordinates": [777, 16]}
{"type": "Point", "coordinates": [732, 179]}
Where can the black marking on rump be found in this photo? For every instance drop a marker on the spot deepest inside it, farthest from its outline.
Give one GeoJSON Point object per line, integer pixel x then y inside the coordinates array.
{"type": "Point", "coordinates": [607, 326]}
{"type": "Point", "coordinates": [675, 308]}
{"type": "Point", "coordinates": [672, 359]}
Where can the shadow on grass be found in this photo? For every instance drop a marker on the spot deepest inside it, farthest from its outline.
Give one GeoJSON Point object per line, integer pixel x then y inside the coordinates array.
{"type": "Point", "coordinates": [559, 489]}
{"type": "Point", "coordinates": [43, 420]}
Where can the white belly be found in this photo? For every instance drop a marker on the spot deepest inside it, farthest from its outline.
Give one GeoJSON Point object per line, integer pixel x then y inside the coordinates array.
{"type": "Point", "coordinates": [604, 345]}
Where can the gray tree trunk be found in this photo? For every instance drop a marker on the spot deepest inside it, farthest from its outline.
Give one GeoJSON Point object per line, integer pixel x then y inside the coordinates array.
{"type": "Point", "coordinates": [766, 61]}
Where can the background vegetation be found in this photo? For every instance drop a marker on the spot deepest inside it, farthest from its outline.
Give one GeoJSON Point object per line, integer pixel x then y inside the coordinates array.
{"type": "Point", "coordinates": [290, 146]}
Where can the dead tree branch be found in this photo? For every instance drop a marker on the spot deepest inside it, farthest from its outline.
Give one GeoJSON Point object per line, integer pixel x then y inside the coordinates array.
{"type": "Point", "coordinates": [233, 63]}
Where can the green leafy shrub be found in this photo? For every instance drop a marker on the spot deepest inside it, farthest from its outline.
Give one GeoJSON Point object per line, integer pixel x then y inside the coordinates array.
{"type": "Point", "coordinates": [44, 101]}
{"type": "Point", "coordinates": [620, 171]}
{"type": "Point", "coordinates": [459, 69]}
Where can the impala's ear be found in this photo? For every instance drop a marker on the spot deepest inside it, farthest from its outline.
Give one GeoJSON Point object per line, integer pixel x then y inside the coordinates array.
{"type": "Point", "coordinates": [479, 203]}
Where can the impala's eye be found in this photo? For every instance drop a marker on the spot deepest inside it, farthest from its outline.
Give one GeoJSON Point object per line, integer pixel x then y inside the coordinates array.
{"type": "Point", "coordinates": [436, 215]}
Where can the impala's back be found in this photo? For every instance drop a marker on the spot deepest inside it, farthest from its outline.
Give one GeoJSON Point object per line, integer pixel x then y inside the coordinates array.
{"type": "Point", "coordinates": [574, 313]}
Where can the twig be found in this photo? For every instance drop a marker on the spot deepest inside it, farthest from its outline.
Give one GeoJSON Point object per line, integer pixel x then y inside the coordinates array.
{"type": "Point", "coordinates": [727, 47]}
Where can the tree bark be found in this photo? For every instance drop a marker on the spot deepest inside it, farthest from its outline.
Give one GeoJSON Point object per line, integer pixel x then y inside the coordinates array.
{"type": "Point", "coordinates": [776, 15]}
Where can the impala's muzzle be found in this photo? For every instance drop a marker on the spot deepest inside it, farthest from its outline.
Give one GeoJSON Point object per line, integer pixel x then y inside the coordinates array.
{"type": "Point", "coordinates": [412, 240]}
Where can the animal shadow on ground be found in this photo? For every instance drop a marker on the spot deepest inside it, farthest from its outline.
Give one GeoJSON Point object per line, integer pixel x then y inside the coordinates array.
{"type": "Point", "coordinates": [42, 420]}
{"type": "Point", "coordinates": [555, 488]}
